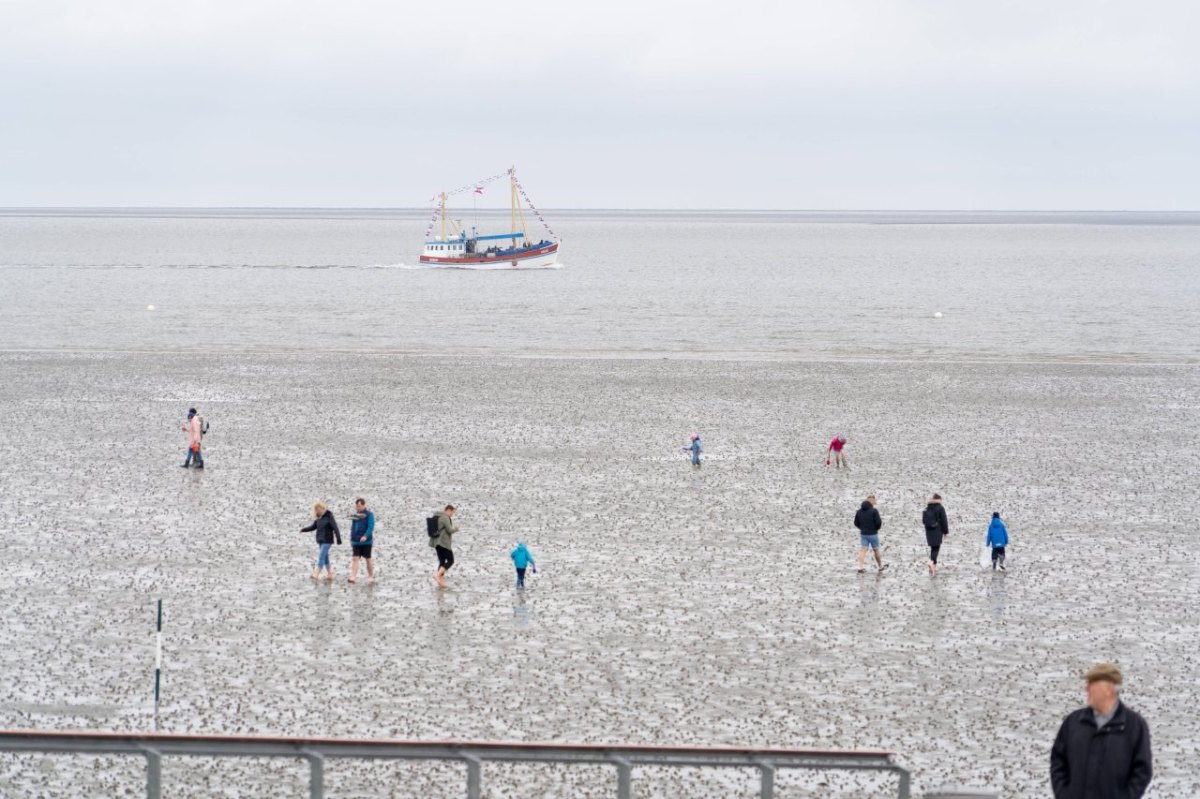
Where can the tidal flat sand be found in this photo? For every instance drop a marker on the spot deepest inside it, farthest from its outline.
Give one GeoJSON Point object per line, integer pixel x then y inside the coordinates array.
{"type": "Point", "coordinates": [718, 606]}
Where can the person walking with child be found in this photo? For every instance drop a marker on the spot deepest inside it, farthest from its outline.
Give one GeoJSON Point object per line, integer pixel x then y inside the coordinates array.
{"type": "Point", "coordinates": [997, 538]}
{"type": "Point", "coordinates": [327, 532]}
{"type": "Point", "coordinates": [522, 559]}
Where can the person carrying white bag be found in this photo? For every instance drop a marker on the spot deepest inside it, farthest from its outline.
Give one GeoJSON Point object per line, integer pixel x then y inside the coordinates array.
{"type": "Point", "coordinates": [994, 546]}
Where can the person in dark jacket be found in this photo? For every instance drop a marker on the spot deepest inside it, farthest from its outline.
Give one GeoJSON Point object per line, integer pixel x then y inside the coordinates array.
{"type": "Point", "coordinates": [443, 544]}
{"type": "Point", "coordinates": [869, 523]}
{"type": "Point", "coordinates": [327, 531]}
{"type": "Point", "coordinates": [1101, 751]}
{"type": "Point", "coordinates": [937, 527]}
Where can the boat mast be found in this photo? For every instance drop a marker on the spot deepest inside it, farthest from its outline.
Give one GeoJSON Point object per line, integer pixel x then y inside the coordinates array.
{"type": "Point", "coordinates": [512, 174]}
{"type": "Point", "coordinates": [443, 216]}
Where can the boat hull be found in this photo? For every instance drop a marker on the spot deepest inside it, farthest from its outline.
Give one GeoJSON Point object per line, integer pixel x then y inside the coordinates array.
{"type": "Point", "coordinates": [538, 258]}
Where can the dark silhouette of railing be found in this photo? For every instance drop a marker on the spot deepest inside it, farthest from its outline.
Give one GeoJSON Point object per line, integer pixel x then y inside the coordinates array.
{"type": "Point", "coordinates": [473, 754]}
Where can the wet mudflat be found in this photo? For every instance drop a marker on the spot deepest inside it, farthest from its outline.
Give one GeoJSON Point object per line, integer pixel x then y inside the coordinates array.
{"type": "Point", "coordinates": [718, 606]}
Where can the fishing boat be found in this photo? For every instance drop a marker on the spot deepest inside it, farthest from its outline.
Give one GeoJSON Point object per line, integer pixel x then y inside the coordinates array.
{"type": "Point", "coordinates": [455, 246]}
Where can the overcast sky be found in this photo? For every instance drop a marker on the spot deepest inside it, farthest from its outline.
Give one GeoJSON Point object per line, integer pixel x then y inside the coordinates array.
{"type": "Point", "coordinates": [620, 104]}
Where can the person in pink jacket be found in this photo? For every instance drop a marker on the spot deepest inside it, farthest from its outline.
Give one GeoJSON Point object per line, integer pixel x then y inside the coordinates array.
{"type": "Point", "coordinates": [194, 434]}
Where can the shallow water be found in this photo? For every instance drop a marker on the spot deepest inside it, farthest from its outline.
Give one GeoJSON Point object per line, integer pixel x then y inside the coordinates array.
{"type": "Point", "coordinates": [674, 606]}
{"type": "Point", "coordinates": [1021, 286]}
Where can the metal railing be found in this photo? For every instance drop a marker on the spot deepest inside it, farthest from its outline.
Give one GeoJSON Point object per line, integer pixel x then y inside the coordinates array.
{"type": "Point", "coordinates": [473, 754]}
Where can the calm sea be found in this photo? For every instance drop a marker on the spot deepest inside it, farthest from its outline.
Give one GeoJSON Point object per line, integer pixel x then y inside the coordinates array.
{"type": "Point", "coordinates": [1012, 286]}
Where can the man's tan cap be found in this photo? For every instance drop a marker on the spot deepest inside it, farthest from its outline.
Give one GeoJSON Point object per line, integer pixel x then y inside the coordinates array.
{"type": "Point", "coordinates": [1108, 672]}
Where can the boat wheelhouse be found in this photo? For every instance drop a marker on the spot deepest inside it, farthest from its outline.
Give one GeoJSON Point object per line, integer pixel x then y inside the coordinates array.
{"type": "Point", "coordinates": [456, 247]}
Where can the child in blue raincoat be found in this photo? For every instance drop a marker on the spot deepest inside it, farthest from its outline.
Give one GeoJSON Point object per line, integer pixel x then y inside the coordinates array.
{"type": "Point", "coordinates": [997, 538]}
{"type": "Point", "coordinates": [522, 559]}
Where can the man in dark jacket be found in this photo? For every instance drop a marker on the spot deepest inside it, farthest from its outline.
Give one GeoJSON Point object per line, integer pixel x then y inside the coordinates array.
{"type": "Point", "coordinates": [937, 527]}
{"type": "Point", "coordinates": [868, 522]}
{"type": "Point", "coordinates": [1102, 751]}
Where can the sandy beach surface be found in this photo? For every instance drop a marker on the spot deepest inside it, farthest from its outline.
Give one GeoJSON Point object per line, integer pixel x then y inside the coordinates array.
{"type": "Point", "coordinates": [718, 606]}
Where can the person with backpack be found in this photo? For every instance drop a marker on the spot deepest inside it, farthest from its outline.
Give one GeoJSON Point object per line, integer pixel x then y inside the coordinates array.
{"type": "Point", "coordinates": [442, 541]}
{"type": "Point", "coordinates": [362, 538]}
{"type": "Point", "coordinates": [869, 522]}
{"type": "Point", "coordinates": [522, 559]}
{"type": "Point", "coordinates": [937, 528]}
{"type": "Point", "coordinates": [194, 427]}
{"type": "Point", "coordinates": [327, 532]}
{"type": "Point", "coordinates": [997, 538]}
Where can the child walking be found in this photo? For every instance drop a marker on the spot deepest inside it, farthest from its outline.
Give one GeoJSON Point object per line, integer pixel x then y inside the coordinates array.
{"type": "Point", "coordinates": [522, 559]}
{"type": "Point", "coordinates": [997, 538]}
{"type": "Point", "coordinates": [695, 449]}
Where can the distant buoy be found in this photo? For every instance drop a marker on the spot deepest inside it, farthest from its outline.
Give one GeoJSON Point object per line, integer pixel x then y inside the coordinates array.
{"type": "Point", "coordinates": [149, 307]}
{"type": "Point", "coordinates": [937, 315]}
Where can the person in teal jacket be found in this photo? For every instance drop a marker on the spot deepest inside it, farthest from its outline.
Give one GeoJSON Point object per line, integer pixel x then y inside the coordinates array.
{"type": "Point", "coordinates": [522, 559]}
{"type": "Point", "coordinates": [997, 538]}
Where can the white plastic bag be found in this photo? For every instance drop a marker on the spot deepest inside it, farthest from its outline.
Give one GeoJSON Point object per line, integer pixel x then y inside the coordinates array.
{"type": "Point", "coordinates": [985, 556]}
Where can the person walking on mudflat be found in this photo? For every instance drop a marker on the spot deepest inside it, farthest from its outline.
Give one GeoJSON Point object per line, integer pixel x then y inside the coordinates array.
{"type": "Point", "coordinates": [695, 449]}
{"type": "Point", "coordinates": [1102, 751]}
{"type": "Point", "coordinates": [194, 427]}
{"type": "Point", "coordinates": [937, 529]}
{"type": "Point", "coordinates": [522, 559]}
{"type": "Point", "coordinates": [327, 532]}
{"type": "Point", "coordinates": [869, 523]}
{"type": "Point", "coordinates": [443, 544]}
{"type": "Point", "coordinates": [997, 538]}
{"type": "Point", "coordinates": [837, 450]}
{"type": "Point", "coordinates": [362, 537]}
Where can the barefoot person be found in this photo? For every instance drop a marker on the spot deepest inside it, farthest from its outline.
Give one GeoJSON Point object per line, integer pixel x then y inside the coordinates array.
{"type": "Point", "coordinates": [443, 544]}
{"type": "Point", "coordinates": [327, 531]}
{"type": "Point", "coordinates": [837, 450]}
{"type": "Point", "coordinates": [362, 537]}
{"type": "Point", "coordinates": [868, 522]}
{"type": "Point", "coordinates": [696, 448]}
{"type": "Point", "coordinates": [937, 528]}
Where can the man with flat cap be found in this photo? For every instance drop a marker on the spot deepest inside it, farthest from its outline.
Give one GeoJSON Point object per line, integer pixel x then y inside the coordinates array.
{"type": "Point", "coordinates": [1102, 751]}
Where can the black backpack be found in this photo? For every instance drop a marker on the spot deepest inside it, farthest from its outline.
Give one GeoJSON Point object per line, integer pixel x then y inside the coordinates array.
{"type": "Point", "coordinates": [930, 519]}
{"type": "Point", "coordinates": [431, 526]}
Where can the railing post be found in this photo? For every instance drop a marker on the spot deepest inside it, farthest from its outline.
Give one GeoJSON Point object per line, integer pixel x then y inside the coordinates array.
{"type": "Point", "coordinates": [153, 774]}
{"type": "Point", "coordinates": [767, 771]}
{"type": "Point", "coordinates": [474, 777]}
{"type": "Point", "coordinates": [316, 774]}
{"type": "Point", "coordinates": [624, 778]}
{"type": "Point", "coordinates": [905, 790]}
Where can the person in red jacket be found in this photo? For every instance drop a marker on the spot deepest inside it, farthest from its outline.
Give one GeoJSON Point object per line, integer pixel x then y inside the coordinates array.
{"type": "Point", "coordinates": [836, 449]}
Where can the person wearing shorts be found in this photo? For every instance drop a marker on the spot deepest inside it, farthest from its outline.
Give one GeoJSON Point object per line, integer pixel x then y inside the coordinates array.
{"type": "Point", "coordinates": [869, 523]}
{"type": "Point", "coordinates": [362, 537]}
{"type": "Point", "coordinates": [836, 449]}
{"type": "Point", "coordinates": [443, 544]}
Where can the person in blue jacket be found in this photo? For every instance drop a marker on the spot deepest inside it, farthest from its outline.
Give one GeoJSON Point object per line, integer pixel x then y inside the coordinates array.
{"type": "Point", "coordinates": [695, 449]}
{"type": "Point", "coordinates": [522, 559]}
{"type": "Point", "coordinates": [997, 538]}
{"type": "Point", "coordinates": [362, 538]}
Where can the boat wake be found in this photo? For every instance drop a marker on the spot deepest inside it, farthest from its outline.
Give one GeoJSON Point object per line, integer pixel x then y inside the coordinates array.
{"type": "Point", "coordinates": [501, 267]}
